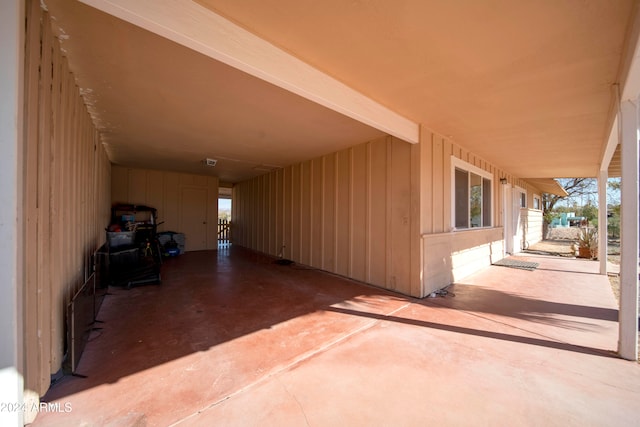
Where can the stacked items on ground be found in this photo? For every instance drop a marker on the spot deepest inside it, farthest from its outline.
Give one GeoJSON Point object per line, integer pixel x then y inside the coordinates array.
{"type": "Point", "coordinates": [132, 250]}
{"type": "Point", "coordinates": [172, 243]}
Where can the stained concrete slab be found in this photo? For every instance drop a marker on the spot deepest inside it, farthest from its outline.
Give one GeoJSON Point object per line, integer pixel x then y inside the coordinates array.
{"type": "Point", "coordinates": [230, 338]}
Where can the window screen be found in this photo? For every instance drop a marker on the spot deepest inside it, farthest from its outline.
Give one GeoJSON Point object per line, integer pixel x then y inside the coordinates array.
{"type": "Point", "coordinates": [472, 200]}
{"type": "Point", "coordinates": [462, 199]}
{"type": "Point", "coordinates": [486, 202]}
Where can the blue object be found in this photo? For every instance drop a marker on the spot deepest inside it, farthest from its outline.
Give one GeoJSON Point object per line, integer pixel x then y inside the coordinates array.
{"type": "Point", "coordinates": [172, 252]}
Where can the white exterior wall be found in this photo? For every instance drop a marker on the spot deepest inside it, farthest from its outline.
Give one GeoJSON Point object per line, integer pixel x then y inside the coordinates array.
{"type": "Point", "coordinates": [532, 222]}
{"type": "Point", "coordinates": [11, 313]}
{"type": "Point", "coordinates": [448, 257]}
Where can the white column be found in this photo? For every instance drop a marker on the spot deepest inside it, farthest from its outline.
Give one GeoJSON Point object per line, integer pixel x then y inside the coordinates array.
{"type": "Point", "coordinates": [602, 220]}
{"type": "Point", "coordinates": [11, 51]}
{"type": "Point", "coordinates": [628, 317]}
{"type": "Point", "coordinates": [504, 220]}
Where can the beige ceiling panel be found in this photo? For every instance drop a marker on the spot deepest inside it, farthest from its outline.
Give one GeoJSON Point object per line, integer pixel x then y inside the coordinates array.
{"type": "Point", "coordinates": [547, 185]}
{"type": "Point", "coordinates": [160, 105]}
{"type": "Point", "coordinates": [615, 166]}
{"type": "Point", "coordinates": [527, 85]}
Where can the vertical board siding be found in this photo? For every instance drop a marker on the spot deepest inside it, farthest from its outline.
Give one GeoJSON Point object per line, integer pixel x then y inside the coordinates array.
{"type": "Point", "coordinates": [343, 213]}
{"type": "Point", "coordinates": [287, 223]}
{"type": "Point", "coordinates": [436, 152]}
{"type": "Point", "coordinates": [359, 213]}
{"type": "Point", "coordinates": [317, 212]}
{"type": "Point", "coordinates": [278, 214]}
{"type": "Point", "coordinates": [273, 206]}
{"type": "Point", "coordinates": [31, 220]}
{"type": "Point", "coordinates": [378, 224]}
{"type": "Point", "coordinates": [45, 272]}
{"type": "Point", "coordinates": [296, 213]}
{"type": "Point", "coordinates": [449, 255]}
{"type": "Point", "coordinates": [305, 213]}
{"type": "Point", "coordinates": [66, 198]}
{"type": "Point", "coordinates": [440, 157]}
{"type": "Point", "coordinates": [415, 225]}
{"type": "Point", "coordinates": [348, 212]}
{"type": "Point", "coordinates": [162, 191]}
{"type": "Point", "coordinates": [427, 180]}
{"type": "Point", "coordinates": [532, 220]}
{"type": "Point", "coordinates": [328, 242]}
{"type": "Point", "coordinates": [401, 216]}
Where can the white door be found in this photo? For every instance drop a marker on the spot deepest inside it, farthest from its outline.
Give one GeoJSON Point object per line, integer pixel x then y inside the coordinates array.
{"type": "Point", "coordinates": [517, 229]}
{"type": "Point", "coordinates": [507, 213]}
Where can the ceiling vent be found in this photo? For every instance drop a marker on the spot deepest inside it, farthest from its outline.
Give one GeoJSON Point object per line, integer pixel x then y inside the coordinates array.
{"type": "Point", "coordinates": [210, 162]}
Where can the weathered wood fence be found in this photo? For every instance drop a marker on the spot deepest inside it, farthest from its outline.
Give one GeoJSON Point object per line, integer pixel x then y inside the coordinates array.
{"type": "Point", "coordinates": [224, 231]}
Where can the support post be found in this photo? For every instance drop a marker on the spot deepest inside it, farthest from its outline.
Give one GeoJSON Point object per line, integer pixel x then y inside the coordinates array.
{"type": "Point", "coordinates": [12, 20]}
{"type": "Point", "coordinates": [628, 317]}
{"type": "Point", "coordinates": [602, 220]}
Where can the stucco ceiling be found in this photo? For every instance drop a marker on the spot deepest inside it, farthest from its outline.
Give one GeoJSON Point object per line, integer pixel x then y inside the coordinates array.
{"type": "Point", "coordinates": [528, 85]}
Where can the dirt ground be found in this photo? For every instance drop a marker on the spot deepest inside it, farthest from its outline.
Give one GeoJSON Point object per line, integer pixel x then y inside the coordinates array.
{"type": "Point", "coordinates": [613, 256]}
{"type": "Point", "coordinates": [559, 247]}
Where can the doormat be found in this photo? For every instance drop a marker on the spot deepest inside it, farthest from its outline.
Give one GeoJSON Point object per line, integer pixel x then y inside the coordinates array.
{"type": "Point", "coordinates": [512, 263]}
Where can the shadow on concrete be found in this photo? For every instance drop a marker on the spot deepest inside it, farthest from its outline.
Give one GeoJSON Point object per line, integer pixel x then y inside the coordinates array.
{"type": "Point", "coordinates": [478, 332]}
{"type": "Point", "coordinates": [483, 299]}
{"type": "Point", "coordinates": [210, 298]}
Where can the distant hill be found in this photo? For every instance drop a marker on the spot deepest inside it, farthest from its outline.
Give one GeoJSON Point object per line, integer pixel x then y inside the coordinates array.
{"type": "Point", "coordinates": [224, 213]}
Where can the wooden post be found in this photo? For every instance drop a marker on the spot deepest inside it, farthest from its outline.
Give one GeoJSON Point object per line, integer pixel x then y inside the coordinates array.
{"type": "Point", "coordinates": [12, 18]}
{"type": "Point", "coordinates": [602, 220]}
{"type": "Point", "coordinates": [628, 317]}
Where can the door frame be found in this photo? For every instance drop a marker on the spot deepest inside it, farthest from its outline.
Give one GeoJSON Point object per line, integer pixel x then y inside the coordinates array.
{"type": "Point", "coordinates": [517, 229]}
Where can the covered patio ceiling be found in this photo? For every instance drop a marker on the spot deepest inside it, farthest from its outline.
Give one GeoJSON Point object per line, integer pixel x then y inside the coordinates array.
{"type": "Point", "coordinates": [529, 86]}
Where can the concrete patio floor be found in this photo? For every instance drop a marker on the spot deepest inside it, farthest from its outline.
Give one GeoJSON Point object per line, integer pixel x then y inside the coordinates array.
{"type": "Point", "coordinates": [230, 338]}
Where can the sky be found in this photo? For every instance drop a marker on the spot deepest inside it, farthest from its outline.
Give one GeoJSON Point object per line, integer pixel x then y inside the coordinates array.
{"type": "Point", "coordinates": [224, 204]}
{"type": "Point", "coordinates": [613, 196]}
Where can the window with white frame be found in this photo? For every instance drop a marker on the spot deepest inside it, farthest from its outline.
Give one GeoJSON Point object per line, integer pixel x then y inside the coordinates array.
{"type": "Point", "coordinates": [471, 195]}
{"type": "Point", "coordinates": [536, 202]}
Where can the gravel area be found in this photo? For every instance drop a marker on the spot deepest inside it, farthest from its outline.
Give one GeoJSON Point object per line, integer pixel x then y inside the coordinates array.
{"type": "Point", "coordinates": [558, 247]}
{"type": "Point", "coordinates": [613, 256]}
{"type": "Point", "coordinates": [558, 233]}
